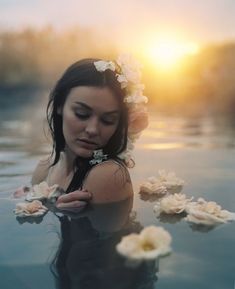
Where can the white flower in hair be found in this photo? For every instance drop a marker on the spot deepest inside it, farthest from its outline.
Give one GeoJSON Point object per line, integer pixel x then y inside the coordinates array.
{"type": "Point", "coordinates": [102, 65]}
{"type": "Point", "coordinates": [123, 80]}
{"type": "Point", "coordinates": [135, 95]}
{"type": "Point", "coordinates": [136, 98]}
{"type": "Point", "coordinates": [130, 68]}
{"type": "Point", "coordinates": [127, 71]}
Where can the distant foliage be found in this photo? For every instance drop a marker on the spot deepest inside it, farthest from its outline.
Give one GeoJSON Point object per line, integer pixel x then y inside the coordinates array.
{"type": "Point", "coordinates": [38, 57]}
{"type": "Point", "coordinates": [202, 84]}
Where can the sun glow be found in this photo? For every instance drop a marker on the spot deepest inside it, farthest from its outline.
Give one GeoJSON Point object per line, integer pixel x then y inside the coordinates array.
{"type": "Point", "coordinates": [166, 52]}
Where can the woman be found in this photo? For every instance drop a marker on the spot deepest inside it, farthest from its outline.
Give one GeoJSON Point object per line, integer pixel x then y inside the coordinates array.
{"type": "Point", "coordinates": [89, 114]}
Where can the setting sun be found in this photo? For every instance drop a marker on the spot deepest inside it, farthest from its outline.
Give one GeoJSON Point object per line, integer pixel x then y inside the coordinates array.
{"type": "Point", "coordinates": [166, 53]}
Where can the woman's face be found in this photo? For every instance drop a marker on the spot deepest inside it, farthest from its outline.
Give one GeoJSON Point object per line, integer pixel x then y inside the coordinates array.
{"type": "Point", "coordinates": [90, 118]}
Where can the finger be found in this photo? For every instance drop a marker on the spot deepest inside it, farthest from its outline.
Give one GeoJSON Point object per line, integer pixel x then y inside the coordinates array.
{"type": "Point", "coordinates": [22, 191]}
{"type": "Point", "coordinates": [71, 205]}
{"type": "Point", "coordinates": [74, 196]}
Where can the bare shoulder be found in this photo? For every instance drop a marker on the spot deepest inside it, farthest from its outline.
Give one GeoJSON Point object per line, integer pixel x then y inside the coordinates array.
{"type": "Point", "coordinates": [41, 171]}
{"type": "Point", "coordinates": [108, 182]}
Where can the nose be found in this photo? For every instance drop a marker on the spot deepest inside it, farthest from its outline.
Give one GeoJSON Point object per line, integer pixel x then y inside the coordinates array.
{"type": "Point", "coordinates": [92, 127]}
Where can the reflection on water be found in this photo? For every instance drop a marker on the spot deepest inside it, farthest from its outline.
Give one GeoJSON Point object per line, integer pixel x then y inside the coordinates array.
{"type": "Point", "coordinates": [78, 250]}
{"type": "Point", "coordinates": [87, 258]}
{"type": "Point", "coordinates": [68, 252]}
{"type": "Point", "coordinates": [174, 133]}
{"type": "Point", "coordinates": [161, 146]}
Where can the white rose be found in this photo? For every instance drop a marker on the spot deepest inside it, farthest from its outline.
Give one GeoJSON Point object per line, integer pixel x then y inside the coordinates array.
{"type": "Point", "coordinates": [207, 213]}
{"type": "Point", "coordinates": [153, 187]}
{"type": "Point", "coordinates": [172, 204]}
{"type": "Point", "coordinates": [43, 191]}
{"type": "Point", "coordinates": [170, 181]}
{"type": "Point", "coordinates": [155, 242]}
{"type": "Point", "coordinates": [122, 79]}
{"type": "Point", "coordinates": [151, 243]}
{"type": "Point", "coordinates": [103, 65]}
{"type": "Point", "coordinates": [34, 208]}
{"type": "Point", "coordinates": [135, 99]}
{"type": "Point", "coordinates": [130, 247]}
{"type": "Point", "coordinates": [130, 68]}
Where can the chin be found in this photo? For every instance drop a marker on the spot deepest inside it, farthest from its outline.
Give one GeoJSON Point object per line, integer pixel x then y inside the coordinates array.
{"type": "Point", "coordinates": [84, 153]}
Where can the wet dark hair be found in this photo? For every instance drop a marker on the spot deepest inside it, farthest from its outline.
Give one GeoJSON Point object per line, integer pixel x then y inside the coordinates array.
{"type": "Point", "coordinates": [84, 73]}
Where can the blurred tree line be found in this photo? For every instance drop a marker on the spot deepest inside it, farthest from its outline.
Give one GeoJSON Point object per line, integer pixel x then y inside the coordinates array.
{"type": "Point", "coordinates": [202, 84]}
{"type": "Point", "coordinates": [37, 57]}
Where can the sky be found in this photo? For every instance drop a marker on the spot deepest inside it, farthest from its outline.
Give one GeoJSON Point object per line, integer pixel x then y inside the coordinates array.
{"type": "Point", "coordinates": [201, 21]}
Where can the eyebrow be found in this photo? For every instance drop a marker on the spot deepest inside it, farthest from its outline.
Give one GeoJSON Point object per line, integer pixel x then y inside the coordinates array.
{"type": "Point", "coordinates": [89, 108]}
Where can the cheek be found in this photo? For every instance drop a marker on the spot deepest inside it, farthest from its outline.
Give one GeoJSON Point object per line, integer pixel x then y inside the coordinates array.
{"type": "Point", "coordinates": [70, 124]}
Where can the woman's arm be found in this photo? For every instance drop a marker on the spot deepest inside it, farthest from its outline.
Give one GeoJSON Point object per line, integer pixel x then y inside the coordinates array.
{"type": "Point", "coordinates": [108, 182]}
{"type": "Point", "coordinates": [41, 171]}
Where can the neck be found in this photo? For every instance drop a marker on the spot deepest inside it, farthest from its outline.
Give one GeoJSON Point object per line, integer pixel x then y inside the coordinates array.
{"type": "Point", "coordinates": [67, 159]}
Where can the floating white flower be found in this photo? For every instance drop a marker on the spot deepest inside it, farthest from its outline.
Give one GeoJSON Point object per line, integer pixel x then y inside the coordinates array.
{"type": "Point", "coordinates": [170, 181]}
{"type": "Point", "coordinates": [44, 191]}
{"type": "Point", "coordinates": [155, 241]}
{"type": "Point", "coordinates": [153, 187]}
{"type": "Point", "coordinates": [166, 183]}
{"type": "Point", "coordinates": [151, 243]}
{"type": "Point", "coordinates": [102, 65]}
{"type": "Point", "coordinates": [207, 213]}
{"type": "Point", "coordinates": [130, 247]}
{"type": "Point", "coordinates": [172, 204]}
{"type": "Point", "coordinates": [33, 209]}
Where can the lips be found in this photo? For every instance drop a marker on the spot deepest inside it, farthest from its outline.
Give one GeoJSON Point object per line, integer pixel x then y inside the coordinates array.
{"type": "Point", "coordinates": [87, 143]}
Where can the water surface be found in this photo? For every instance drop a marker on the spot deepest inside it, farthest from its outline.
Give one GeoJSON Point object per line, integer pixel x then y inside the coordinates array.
{"type": "Point", "coordinates": [200, 151]}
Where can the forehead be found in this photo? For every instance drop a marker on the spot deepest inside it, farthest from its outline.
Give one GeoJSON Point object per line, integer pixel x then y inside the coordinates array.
{"type": "Point", "coordinates": [97, 98]}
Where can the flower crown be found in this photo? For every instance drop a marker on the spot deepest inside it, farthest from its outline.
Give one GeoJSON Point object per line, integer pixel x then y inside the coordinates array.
{"type": "Point", "coordinates": [128, 73]}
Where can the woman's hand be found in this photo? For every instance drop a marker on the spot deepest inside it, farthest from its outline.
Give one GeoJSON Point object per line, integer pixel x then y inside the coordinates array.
{"type": "Point", "coordinates": [21, 192]}
{"type": "Point", "coordinates": [74, 200]}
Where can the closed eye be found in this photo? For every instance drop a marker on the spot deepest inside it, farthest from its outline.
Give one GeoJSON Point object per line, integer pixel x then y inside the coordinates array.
{"type": "Point", "coordinates": [82, 116]}
{"type": "Point", "coordinates": [110, 120]}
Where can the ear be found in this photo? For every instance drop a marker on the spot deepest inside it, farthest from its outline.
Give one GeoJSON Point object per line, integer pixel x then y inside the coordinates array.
{"type": "Point", "coordinates": [59, 110]}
